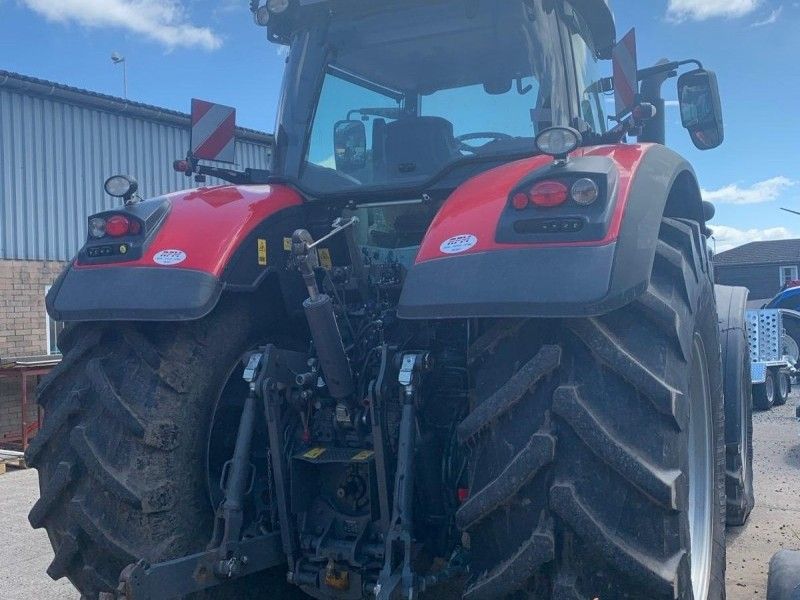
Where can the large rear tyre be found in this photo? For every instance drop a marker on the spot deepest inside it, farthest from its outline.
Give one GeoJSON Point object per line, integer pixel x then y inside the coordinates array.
{"type": "Point", "coordinates": [731, 307]}
{"type": "Point", "coordinates": [122, 455]}
{"type": "Point", "coordinates": [764, 393]}
{"type": "Point", "coordinates": [597, 447]}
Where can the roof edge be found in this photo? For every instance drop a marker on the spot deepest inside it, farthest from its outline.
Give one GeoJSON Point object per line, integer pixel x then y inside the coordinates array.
{"type": "Point", "coordinates": [72, 95]}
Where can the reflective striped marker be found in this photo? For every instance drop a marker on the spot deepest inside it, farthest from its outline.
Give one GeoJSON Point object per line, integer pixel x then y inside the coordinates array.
{"type": "Point", "coordinates": [213, 131]}
{"type": "Point", "coordinates": [626, 73]}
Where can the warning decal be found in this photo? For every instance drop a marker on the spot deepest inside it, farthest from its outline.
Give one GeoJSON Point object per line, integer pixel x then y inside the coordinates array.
{"type": "Point", "coordinates": [262, 253]}
{"type": "Point", "coordinates": [314, 453]}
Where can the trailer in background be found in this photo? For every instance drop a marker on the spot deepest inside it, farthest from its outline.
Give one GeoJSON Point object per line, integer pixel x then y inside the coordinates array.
{"type": "Point", "coordinates": [774, 355]}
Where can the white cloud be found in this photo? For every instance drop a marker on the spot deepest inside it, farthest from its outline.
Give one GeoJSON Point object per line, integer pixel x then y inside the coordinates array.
{"type": "Point", "coordinates": [164, 21]}
{"type": "Point", "coordinates": [730, 237]}
{"type": "Point", "coordinates": [763, 191]}
{"type": "Point", "coordinates": [700, 10]}
{"type": "Point", "coordinates": [772, 18]}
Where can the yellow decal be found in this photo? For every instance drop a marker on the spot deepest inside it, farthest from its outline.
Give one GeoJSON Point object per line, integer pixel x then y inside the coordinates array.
{"type": "Point", "coordinates": [262, 253]}
{"type": "Point", "coordinates": [325, 259]}
{"type": "Point", "coordinates": [314, 453]}
{"type": "Point", "coordinates": [287, 244]}
{"type": "Point", "coordinates": [362, 456]}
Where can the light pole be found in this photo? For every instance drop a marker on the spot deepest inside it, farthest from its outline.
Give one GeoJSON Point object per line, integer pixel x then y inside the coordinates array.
{"type": "Point", "coordinates": [117, 59]}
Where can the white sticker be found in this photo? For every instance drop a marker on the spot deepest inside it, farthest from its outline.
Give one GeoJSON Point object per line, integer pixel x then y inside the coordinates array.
{"type": "Point", "coordinates": [169, 257]}
{"type": "Point", "coordinates": [458, 244]}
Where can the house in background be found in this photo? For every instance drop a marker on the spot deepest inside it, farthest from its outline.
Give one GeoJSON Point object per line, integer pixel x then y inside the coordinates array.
{"type": "Point", "coordinates": [762, 267]}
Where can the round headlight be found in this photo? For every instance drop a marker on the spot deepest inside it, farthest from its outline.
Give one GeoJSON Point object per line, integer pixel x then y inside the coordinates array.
{"type": "Point", "coordinates": [558, 141]}
{"type": "Point", "coordinates": [585, 191]}
{"type": "Point", "coordinates": [277, 6]}
{"type": "Point", "coordinates": [97, 227]}
{"type": "Point", "coordinates": [121, 186]}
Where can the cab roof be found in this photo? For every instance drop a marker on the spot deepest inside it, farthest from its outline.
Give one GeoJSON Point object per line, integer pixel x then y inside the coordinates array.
{"type": "Point", "coordinates": [596, 14]}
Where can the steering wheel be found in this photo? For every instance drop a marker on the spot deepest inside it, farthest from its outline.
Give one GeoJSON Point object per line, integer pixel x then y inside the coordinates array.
{"type": "Point", "coordinates": [492, 136]}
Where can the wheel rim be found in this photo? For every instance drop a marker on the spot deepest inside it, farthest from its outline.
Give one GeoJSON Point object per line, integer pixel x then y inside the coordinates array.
{"type": "Point", "coordinates": [701, 473]}
{"type": "Point", "coordinates": [769, 386]}
{"type": "Point", "coordinates": [744, 438]}
{"type": "Point", "coordinates": [784, 385]}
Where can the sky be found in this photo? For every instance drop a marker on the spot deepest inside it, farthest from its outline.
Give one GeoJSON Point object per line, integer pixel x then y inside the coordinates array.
{"type": "Point", "coordinates": [179, 49]}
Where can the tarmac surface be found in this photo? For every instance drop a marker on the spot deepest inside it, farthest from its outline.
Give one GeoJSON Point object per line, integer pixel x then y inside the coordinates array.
{"type": "Point", "coordinates": [774, 524]}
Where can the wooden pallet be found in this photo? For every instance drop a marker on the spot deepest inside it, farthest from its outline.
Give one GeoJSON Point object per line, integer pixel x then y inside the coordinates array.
{"type": "Point", "coordinates": [11, 460]}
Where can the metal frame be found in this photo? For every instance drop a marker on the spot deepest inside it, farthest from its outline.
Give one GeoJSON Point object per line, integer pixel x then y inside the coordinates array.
{"type": "Point", "coordinates": [765, 337]}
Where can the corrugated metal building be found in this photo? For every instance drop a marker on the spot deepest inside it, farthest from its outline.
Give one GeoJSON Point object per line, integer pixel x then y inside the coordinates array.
{"type": "Point", "coordinates": [58, 145]}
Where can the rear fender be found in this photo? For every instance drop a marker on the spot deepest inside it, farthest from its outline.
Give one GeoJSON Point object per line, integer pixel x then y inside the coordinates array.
{"type": "Point", "coordinates": [587, 273]}
{"type": "Point", "coordinates": [211, 240]}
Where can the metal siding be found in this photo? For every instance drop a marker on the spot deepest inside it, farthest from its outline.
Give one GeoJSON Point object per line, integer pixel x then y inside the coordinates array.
{"type": "Point", "coordinates": [54, 157]}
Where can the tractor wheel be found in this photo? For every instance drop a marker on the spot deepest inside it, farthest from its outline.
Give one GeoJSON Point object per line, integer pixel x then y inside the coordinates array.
{"type": "Point", "coordinates": [597, 464]}
{"type": "Point", "coordinates": [764, 393]}
{"type": "Point", "coordinates": [123, 452]}
{"type": "Point", "coordinates": [731, 306]}
{"type": "Point", "coordinates": [781, 388]}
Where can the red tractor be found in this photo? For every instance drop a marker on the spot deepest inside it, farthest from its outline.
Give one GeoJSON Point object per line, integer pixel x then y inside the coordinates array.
{"type": "Point", "coordinates": [462, 340]}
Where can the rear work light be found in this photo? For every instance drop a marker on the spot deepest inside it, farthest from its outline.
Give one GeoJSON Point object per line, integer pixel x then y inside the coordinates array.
{"type": "Point", "coordinates": [548, 194]}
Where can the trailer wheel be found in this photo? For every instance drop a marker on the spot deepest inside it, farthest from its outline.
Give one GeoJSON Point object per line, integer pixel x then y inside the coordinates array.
{"type": "Point", "coordinates": [731, 307]}
{"type": "Point", "coordinates": [781, 388]}
{"type": "Point", "coordinates": [121, 455]}
{"type": "Point", "coordinates": [597, 463]}
{"type": "Point", "coordinates": [764, 393]}
{"type": "Point", "coordinates": [784, 576]}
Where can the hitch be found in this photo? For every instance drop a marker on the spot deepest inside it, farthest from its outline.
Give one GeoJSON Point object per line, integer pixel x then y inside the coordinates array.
{"type": "Point", "coordinates": [228, 556]}
{"type": "Point", "coordinates": [397, 573]}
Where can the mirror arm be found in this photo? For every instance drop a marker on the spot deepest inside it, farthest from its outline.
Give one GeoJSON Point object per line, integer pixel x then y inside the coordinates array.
{"type": "Point", "coordinates": [655, 129]}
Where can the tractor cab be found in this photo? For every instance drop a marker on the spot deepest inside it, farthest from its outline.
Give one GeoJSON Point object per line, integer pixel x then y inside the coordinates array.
{"type": "Point", "coordinates": [398, 96]}
{"type": "Point", "coordinates": [409, 95]}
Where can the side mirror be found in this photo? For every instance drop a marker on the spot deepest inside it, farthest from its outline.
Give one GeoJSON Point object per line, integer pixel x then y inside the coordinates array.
{"type": "Point", "coordinates": [701, 108]}
{"type": "Point", "coordinates": [350, 146]}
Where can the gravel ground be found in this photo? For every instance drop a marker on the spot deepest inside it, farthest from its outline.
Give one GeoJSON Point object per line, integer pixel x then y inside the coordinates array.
{"type": "Point", "coordinates": [774, 524]}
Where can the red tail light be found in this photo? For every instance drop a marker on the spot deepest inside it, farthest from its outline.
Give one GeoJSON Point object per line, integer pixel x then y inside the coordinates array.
{"type": "Point", "coordinates": [549, 193]}
{"type": "Point", "coordinates": [117, 226]}
{"type": "Point", "coordinates": [521, 200]}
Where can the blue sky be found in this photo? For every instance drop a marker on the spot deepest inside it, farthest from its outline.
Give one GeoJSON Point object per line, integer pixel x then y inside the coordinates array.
{"type": "Point", "coordinates": [179, 49]}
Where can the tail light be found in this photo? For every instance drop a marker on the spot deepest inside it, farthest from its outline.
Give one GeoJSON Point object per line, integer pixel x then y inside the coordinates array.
{"type": "Point", "coordinates": [521, 200]}
{"type": "Point", "coordinates": [585, 191]}
{"type": "Point", "coordinates": [552, 193]}
{"type": "Point", "coordinates": [117, 226]}
{"type": "Point", "coordinates": [113, 226]}
{"type": "Point", "coordinates": [548, 194]}
{"type": "Point", "coordinates": [97, 227]}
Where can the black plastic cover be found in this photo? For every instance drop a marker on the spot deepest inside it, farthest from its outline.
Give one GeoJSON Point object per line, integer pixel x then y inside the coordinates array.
{"type": "Point", "coordinates": [555, 282]}
{"type": "Point", "coordinates": [131, 294]}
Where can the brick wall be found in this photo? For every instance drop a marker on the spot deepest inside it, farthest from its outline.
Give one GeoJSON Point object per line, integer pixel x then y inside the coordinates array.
{"type": "Point", "coordinates": [22, 325]}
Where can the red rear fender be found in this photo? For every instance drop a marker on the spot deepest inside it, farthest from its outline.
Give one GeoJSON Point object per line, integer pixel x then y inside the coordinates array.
{"type": "Point", "coordinates": [211, 239]}
{"type": "Point", "coordinates": [482, 257]}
